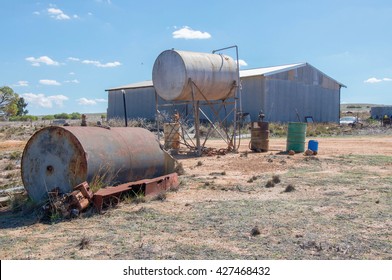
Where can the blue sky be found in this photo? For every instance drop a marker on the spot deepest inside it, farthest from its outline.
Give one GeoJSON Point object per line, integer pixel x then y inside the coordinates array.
{"type": "Point", "coordinates": [62, 55]}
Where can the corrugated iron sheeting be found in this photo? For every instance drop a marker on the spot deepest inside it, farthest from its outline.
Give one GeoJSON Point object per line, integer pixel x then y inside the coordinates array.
{"type": "Point", "coordinates": [296, 87]}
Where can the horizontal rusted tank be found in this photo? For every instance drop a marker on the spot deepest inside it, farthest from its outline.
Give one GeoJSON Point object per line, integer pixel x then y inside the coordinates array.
{"type": "Point", "coordinates": [63, 157]}
{"type": "Point", "coordinates": [215, 75]}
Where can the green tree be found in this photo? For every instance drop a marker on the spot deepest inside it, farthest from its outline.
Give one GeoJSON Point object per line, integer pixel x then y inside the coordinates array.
{"type": "Point", "coordinates": [11, 109]}
{"type": "Point", "coordinates": [21, 105]}
{"type": "Point", "coordinates": [7, 98]}
{"type": "Point", "coordinates": [75, 116]}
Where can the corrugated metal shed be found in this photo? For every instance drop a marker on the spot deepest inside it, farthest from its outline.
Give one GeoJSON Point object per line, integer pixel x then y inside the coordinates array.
{"type": "Point", "coordinates": [282, 92]}
{"type": "Point", "coordinates": [378, 112]}
{"type": "Point", "coordinates": [290, 93]}
{"type": "Point", "coordinates": [139, 99]}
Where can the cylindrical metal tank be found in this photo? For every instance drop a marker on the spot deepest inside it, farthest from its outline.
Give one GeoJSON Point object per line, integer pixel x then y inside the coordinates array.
{"type": "Point", "coordinates": [215, 75]}
{"type": "Point", "coordinates": [259, 136]}
{"type": "Point", "coordinates": [63, 157]}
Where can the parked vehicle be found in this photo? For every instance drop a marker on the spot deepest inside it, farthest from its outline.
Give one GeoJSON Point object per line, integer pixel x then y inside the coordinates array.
{"type": "Point", "coordinates": [351, 121]}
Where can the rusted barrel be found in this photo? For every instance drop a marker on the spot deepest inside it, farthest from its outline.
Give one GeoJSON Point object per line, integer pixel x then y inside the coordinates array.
{"type": "Point", "coordinates": [172, 135]}
{"type": "Point", "coordinates": [63, 157]}
{"type": "Point", "coordinates": [259, 136]}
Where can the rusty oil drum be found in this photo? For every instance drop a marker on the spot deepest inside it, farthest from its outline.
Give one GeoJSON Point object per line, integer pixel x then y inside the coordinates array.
{"type": "Point", "coordinates": [63, 157]}
{"type": "Point", "coordinates": [172, 135]}
{"type": "Point", "coordinates": [259, 136]}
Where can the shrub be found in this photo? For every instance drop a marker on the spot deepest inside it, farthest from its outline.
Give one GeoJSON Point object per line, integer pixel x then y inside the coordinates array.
{"type": "Point", "coordinates": [75, 116]}
{"type": "Point", "coordinates": [48, 118]}
{"type": "Point", "coordinates": [23, 118]}
{"type": "Point", "coordinates": [62, 116]}
{"type": "Point", "coordinates": [15, 155]}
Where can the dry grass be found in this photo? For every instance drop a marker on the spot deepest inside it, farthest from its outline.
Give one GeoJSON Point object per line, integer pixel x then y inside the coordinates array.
{"type": "Point", "coordinates": [340, 209]}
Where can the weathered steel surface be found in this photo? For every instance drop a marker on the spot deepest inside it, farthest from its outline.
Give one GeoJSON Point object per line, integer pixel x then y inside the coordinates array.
{"type": "Point", "coordinates": [213, 74]}
{"type": "Point", "coordinates": [63, 157]}
{"type": "Point", "coordinates": [259, 136]}
{"type": "Point", "coordinates": [147, 186]}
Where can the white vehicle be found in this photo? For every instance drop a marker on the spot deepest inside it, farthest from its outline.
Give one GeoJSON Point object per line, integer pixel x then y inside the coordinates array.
{"type": "Point", "coordinates": [352, 121]}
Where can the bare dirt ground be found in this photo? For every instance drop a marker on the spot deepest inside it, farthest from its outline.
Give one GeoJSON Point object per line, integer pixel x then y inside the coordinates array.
{"type": "Point", "coordinates": [339, 207]}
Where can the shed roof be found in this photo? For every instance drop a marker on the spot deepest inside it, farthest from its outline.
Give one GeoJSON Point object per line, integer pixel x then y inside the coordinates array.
{"type": "Point", "coordinates": [268, 71]}
{"type": "Point", "coordinates": [264, 71]}
{"type": "Point", "coordinates": [134, 85]}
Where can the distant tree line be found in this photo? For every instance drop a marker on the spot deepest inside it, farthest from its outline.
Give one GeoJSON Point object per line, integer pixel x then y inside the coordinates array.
{"type": "Point", "coordinates": [13, 108]}
{"type": "Point", "coordinates": [62, 116]}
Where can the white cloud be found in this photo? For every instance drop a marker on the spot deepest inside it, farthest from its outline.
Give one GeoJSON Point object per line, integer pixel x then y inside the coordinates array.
{"type": "Point", "coordinates": [376, 80]}
{"type": "Point", "coordinates": [372, 80]}
{"type": "Point", "coordinates": [188, 33]}
{"type": "Point", "coordinates": [71, 73]}
{"type": "Point", "coordinates": [44, 101]}
{"type": "Point", "coordinates": [96, 62]}
{"type": "Point", "coordinates": [103, 65]}
{"type": "Point", "coordinates": [49, 82]}
{"type": "Point", "coordinates": [85, 101]}
{"type": "Point", "coordinates": [21, 84]}
{"type": "Point", "coordinates": [36, 13]}
{"type": "Point", "coordinates": [75, 16]}
{"type": "Point", "coordinates": [73, 58]}
{"type": "Point", "coordinates": [242, 62]}
{"type": "Point", "coordinates": [42, 60]}
{"type": "Point", "coordinates": [57, 14]}
{"type": "Point", "coordinates": [75, 81]}
{"type": "Point", "coordinates": [109, 2]}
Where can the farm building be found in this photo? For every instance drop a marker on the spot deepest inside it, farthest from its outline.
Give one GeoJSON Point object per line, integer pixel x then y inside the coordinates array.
{"type": "Point", "coordinates": [378, 112]}
{"type": "Point", "coordinates": [284, 93]}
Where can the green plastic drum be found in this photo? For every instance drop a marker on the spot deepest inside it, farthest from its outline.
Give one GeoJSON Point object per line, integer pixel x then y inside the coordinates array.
{"type": "Point", "coordinates": [296, 134]}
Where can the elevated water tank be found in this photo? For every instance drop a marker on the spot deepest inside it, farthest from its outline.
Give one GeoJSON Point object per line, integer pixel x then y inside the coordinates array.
{"type": "Point", "coordinates": [63, 157]}
{"type": "Point", "coordinates": [214, 75]}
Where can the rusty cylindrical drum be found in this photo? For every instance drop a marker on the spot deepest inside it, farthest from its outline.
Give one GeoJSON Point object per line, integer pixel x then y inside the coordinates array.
{"type": "Point", "coordinates": [172, 135]}
{"type": "Point", "coordinates": [214, 75]}
{"type": "Point", "coordinates": [63, 157]}
{"type": "Point", "coordinates": [259, 136]}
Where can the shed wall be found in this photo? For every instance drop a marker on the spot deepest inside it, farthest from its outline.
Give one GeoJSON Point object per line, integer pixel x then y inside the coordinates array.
{"type": "Point", "coordinates": [286, 98]}
{"type": "Point", "coordinates": [253, 96]}
{"type": "Point", "coordinates": [380, 111]}
{"type": "Point", "coordinates": [305, 91]}
{"type": "Point", "coordinates": [140, 103]}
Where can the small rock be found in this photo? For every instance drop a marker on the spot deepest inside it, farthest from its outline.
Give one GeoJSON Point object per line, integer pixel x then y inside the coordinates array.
{"type": "Point", "coordinates": [255, 231]}
{"type": "Point", "coordinates": [309, 153]}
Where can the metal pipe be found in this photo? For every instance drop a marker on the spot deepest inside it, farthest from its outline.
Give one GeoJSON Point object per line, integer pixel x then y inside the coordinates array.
{"type": "Point", "coordinates": [157, 113]}
{"type": "Point", "coordinates": [236, 96]}
{"type": "Point", "coordinates": [125, 109]}
{"type": "Point", "coordinates": [197, 118]}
